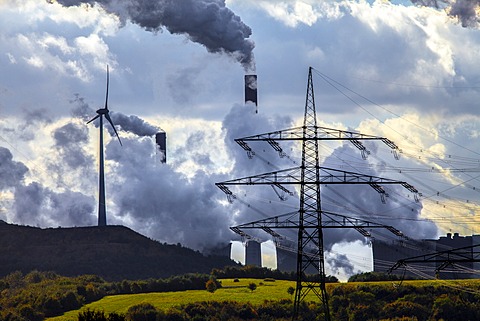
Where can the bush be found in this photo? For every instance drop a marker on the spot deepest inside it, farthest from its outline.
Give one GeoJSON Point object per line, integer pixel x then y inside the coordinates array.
{"type": "Point", "coordinates": [92, 315]}
{"type": "Point", "coordinates": [291, 290]}
{"type": "Point", "coordinates": [211, 286]}
{"type": "Point", "coordinates": [141, 312]}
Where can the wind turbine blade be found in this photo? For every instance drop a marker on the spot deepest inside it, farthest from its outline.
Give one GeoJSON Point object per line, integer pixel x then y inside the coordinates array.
{"type": "Point", "coordinates": [93, 119]}
{"type": "Point", "coordinates": [107, 116]}
{"type": "Point", "coordinates": [106, 96]}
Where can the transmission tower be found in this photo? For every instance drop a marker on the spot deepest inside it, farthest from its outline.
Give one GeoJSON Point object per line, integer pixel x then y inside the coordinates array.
{"type": "Point", "coordinates": [310, 176]}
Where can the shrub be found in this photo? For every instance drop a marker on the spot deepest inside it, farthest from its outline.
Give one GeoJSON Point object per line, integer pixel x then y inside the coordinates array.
{"type": "Point", "coordinates": [141, 312]}
{"type": "Point", "coordinates": [291, 290]}
{"type": "Point", "coordinates": [92, 315]}
{"type": "Point", "coordinates": [211, 286]}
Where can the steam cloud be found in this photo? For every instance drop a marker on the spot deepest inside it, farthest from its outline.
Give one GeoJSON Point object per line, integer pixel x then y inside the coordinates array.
{"type": "Point", "coordinates": [464, 10]}
{"type": "Point", "coordinates": [207, 22]}
{"type": "Point", "coordinates": [363, 202]}
{"type": "Point", "coordinates": [134, 125]}
{"type": "Point", "coordinates": [160, 201]}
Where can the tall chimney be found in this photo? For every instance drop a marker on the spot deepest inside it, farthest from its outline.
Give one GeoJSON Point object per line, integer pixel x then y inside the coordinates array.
{"type": "Point", "coordinates": [251, 89]}
{"type": "Point", "coordinates": [161, 140]}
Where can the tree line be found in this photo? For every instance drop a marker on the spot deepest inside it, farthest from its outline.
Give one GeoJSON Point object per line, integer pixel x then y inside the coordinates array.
{"type": "Point", "coordinates": [37, 295]}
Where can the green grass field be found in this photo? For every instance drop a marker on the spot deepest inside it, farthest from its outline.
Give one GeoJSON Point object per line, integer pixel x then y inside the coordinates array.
{"type": "Point", "coordinates": [230, 291]}
{"type": "Point", "coordinates": [238, 291]}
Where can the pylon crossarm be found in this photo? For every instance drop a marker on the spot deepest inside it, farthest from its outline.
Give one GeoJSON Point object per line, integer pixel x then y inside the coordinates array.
{"type": "Point", "coordinates": [250, 152]}
{"type": "Point", "coordinates": [321, 133]}
{"type": "Point", "coordinates": [330, 220]}
{"type": "Point", "coordinates": [244, 236]}
{"type": "Point", "coordinates": [288, 220]}
{"type": "Point", "coordinates": [326, 176]}
{"type": "Point", "coordinates": [227, 191]}
{"type": "Point", "coordinates": [286, 176]}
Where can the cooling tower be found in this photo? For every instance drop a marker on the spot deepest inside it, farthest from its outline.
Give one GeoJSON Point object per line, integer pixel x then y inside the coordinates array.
{"type": "Point", "coordinates": [286, 260]}
{"type": "Point", "coordinates": [253, 253]}
{"type": "Point", "coordinates": [251, 89]}
{"type": "Point", "coordinates": [287, 257]}
{"type": "Point", "coordinates": [161, 141]}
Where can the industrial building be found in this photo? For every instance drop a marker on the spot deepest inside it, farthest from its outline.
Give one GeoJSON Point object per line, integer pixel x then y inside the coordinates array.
{"type": "Point", "coordinates": [386, 254]}
{"type": "Point", "coordinates": [253, 253]}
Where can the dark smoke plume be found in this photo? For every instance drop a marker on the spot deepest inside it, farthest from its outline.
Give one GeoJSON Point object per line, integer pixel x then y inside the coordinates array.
{"type": "Point", "coordinates": [207, 22]}
{"type": "Point", "coordinates": [464, 10]}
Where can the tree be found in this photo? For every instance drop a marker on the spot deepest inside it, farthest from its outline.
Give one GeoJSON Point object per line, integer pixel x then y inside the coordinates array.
{"type": "Point", "coordinates": [211, 286]}
{"type": "Point", "coordinates": [252, 286]}
{"type": "Point", "coordinates": [291, 290]}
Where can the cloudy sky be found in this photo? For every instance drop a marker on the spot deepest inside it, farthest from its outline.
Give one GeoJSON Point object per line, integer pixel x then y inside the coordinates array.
{"type": "Point", "coordinates": [408, 72]}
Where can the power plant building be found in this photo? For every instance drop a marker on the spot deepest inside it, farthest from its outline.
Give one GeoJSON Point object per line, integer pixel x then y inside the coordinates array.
{"type": "Point", "coordinates": [253, 253]}
{"type": "Point", "coordinates": [386, 254]}
{"type": "Point", "coordinates": [286, 260]}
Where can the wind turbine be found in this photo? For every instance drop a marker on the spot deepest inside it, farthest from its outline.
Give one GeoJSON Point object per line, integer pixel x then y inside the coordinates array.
{"type": "Point", "coordinates": [103, 112]}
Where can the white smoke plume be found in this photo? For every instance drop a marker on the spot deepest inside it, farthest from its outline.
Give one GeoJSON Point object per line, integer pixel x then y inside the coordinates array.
{"type": "Point", "coordinates": [134, 125]}
{"type": "Point", "coordinates": [207, 22]}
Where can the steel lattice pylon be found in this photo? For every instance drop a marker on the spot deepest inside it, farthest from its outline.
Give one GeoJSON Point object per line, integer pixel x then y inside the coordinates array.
{"type": "Point", "coordinates": [310, 210]}
{"type": "Point", "coordinates": [308, 219]}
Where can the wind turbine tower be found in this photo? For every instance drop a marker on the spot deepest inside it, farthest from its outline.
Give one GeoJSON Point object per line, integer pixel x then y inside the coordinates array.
{"type": "Point", "coordinates": [103, 112]}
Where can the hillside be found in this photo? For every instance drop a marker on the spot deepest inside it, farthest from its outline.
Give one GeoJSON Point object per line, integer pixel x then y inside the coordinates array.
{"type": "Point", "coordinates": [112, 252]}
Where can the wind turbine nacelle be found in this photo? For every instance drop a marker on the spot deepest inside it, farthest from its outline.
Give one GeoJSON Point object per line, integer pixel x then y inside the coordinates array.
{"type": "Point", "coordinates": [102, 111]}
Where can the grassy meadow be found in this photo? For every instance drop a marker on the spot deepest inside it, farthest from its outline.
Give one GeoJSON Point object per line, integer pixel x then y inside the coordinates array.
{"type": "Point", "coordinates": [230, 291]}
{"type": "Point", "coordinates": [424, 300]}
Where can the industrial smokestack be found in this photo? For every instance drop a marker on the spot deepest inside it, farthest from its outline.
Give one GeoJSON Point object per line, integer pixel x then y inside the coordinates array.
{"type": "Point", "coordinates": [251, 90]}
{"type": "Point", "coordinates": [161, 140]}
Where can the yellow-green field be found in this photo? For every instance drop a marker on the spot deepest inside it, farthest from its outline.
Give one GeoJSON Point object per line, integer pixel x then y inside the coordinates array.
{"type": "Point", "coordinates": [230, 291]}
{"type": "Point", "coordinates": [238, 291]}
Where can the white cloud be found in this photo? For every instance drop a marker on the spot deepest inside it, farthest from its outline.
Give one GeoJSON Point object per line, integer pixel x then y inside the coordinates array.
{"type": "Point", "coordinates": [294, 12]}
